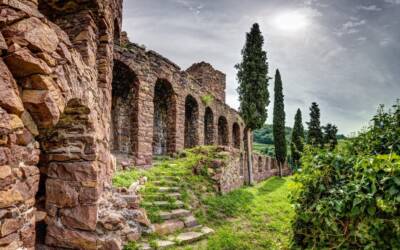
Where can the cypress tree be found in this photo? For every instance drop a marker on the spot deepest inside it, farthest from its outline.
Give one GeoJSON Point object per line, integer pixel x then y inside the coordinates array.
{"type": "Point", "coordinates": [253, 79]}
{"type": "Point", "coordinates": [330, 136]}
{"type": "Point", "coordinates": [297, 142]}
{"type": "Point", "coordinates": [315, 137]}
{"type": "Point", "coordinates": [279, 122]}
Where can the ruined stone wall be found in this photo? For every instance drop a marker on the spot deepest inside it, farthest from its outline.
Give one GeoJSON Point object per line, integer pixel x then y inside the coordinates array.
{"type": "Point", "coordinates": [185, 112]}
{"type": "Point", "coordinates": [264, 167]}
{"type": "Point", "coordinates": [213, 80]}
{"type": "Point", "coordinates": [55, 101]}
{"type": "Point", "coordinates": [232, 174]}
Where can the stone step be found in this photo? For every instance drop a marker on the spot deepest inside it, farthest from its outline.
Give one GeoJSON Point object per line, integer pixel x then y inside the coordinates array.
{"type": "Point", "coordinates": [190, 221]}
{"type": "Point", "coordinates": [168, 189]}
{"type": "Point", "coordinates": [166, 183]}
{"type": "Point", "coordinates": [162, 196]}
{"type": "Point", "coordinates": [174, 214]}
{"type": "Point", "coordinates": [193, 236]}
{"type": "Point", "coordinates": [168, 227]}
{"type": "Point", "coordinates": [161, 204]}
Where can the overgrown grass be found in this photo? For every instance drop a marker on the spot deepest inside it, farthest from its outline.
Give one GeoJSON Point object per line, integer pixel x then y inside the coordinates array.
{"type": "Point", "coordinates": [249, 218]}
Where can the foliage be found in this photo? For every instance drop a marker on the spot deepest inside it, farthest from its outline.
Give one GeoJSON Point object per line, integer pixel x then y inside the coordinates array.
{"type": "Point", "coordinates": [265, 135]}
{"type": "Point", "coordinates": [207, 99]}
{"type": "Point", "coordinates": [330, 136]}
{"type": "Point", "coordinates": [131, 246]}
{"type": "Point", "coordinates": [264, 149]}
{"type": "Point", "coordinates": [279, 120]}
{"type": "Point", "coordinates": [253, 80]}
{"type": "Point", "coordinates": [315, 137]}
{"type": "Point", "coordinates": [383, 137]}
{"type": "Point", "coordinates": [297, 142]}
{"type": "Point", "coordinates": [350, 198]}
{"type": "Point", "coordinates": [125, 178]}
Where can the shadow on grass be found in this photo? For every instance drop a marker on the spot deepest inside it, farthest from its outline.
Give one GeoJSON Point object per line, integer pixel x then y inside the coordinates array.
{"type": "Point", "coordinates": [271, 185]}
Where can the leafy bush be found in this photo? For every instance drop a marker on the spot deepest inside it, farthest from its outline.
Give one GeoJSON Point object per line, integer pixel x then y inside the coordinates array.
{"type": "Point", "coordinates": [207, 99]}
{"type": "Point", "coordinates": [350, 198]}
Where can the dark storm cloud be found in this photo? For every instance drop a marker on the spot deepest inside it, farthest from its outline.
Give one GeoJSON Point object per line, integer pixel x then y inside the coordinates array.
{"type": "Point", "coordinates": [347, 59]}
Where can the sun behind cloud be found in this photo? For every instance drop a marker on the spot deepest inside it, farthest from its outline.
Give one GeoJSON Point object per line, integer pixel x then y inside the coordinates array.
{"type": "Point", "coordinates": [291, 21]}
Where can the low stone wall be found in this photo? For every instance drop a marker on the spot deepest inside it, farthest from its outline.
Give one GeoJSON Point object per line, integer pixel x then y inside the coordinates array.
{"type": "Point", "coordinates": [233, 173]}
{"type": "Point", "coordinates": [264, 167]}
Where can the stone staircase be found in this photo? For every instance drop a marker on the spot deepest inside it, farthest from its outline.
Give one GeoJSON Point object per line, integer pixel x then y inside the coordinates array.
{"type": "Point", "coordinates": [175, 224]}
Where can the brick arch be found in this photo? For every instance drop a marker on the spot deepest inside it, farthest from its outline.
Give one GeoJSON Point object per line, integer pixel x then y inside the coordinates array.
{"type": "Point", "coordinates": [124, 110]}
{"type": "Point", "coordinates": [164, 118]}
{"type": "Point", "coordinates": [191, 137]}
{"type": "Point", "coordinates": [223, 133]}
{"type": "Point", "coordinates": [208, 126]}
{"type": "Point", "coordinates": [236, 135]}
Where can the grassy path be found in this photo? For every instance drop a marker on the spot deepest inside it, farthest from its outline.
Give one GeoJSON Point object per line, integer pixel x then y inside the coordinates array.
{"type": "Point", "coordinates": [250, 218]}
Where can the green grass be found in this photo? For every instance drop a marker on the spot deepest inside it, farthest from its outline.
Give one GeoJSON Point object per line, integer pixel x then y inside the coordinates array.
{"type": "Point", "coordinates": [255, 217]}
{"type": "Point", "coordinates": [250, 218]}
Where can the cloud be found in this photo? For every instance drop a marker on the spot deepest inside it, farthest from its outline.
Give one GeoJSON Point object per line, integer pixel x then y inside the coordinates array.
{"type": "Point", "coordinates": [369, 8]}
{"type": "Point", "coordinates": [351, 27]}
{"type": "Point", "coordinates": [195, 8]}
{"type": "Point", "coordinates": [348, 75]}
{"type": "Point", "coordinates": [393, 1]}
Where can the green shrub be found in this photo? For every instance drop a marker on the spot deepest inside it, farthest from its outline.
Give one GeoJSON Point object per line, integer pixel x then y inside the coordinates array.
{"type": "Point", "coordinates": [207, 99]}
{"type": "Point", "coordinates": [350, 198]}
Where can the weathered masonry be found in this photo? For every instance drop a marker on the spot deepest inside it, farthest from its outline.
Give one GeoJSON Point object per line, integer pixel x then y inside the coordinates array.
{"type": "Point", "coordinates": [76, 97]}
{"type": "Point", "coordinates": [170, 109]}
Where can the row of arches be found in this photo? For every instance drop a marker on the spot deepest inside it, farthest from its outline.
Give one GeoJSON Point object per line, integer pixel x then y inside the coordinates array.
{"type": "Point", "coordinates": [125, 124]}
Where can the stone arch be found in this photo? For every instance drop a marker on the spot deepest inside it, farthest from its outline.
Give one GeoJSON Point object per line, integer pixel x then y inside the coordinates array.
{"type": "Point", "coordinates": [164, 118]}
{"type": "Point", "coordinates": [223, 131]}
{"type": "Point", "coordinates": [117, 32]}
{"type": "Point", "coordinates": [124, 110]}
{"type": "Point", "coordinates": [191, 122]}
{"type": "Point", "coordinates": [236, 135]}
{"type": "Point", "coordinates": [208, 126]}
{"type": "Point", "coordinates": [67, 162]}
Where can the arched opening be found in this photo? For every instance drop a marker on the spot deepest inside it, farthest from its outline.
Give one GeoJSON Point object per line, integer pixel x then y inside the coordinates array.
{"type": "Point", "coordinates": [124, 110]}
{"type": "Point", "coordinates": [191, 122]}
{"type": "Point", "coordinates": [222, 131]}
{"type": "Point", "coordinates": [236, 135]}
{"type": "Point", "coordinates": [164, 118]}
{"type": "Point", "coordinates": [208, 127]}
{"type": "Point", "coordinates": [117, 32]}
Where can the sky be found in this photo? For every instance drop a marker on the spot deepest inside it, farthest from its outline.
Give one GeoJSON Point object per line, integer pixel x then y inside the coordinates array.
{"type": "Point", "coordinates": [342, 54]}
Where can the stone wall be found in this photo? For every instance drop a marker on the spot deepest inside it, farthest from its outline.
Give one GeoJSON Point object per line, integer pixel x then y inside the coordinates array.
{"type": "Point", "coordinates": [56, 60]}
{"type": "Point", "coordinates": [171, 108]}
{"type": "Point", "coordinates": [232, 173]}
{"type": "Point", "coordinates": [211, 79]}
{"type": "Point", "coordinates": [75, 94]}
{"type": "Point", "coordinates": [265, 167]}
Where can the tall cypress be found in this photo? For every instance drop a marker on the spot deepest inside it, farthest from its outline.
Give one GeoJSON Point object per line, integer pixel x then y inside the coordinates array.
{"type": "Point", "coordinates": [253, 80]}
{"type": "Point", "coordinates": [315, 137]}
{"type": "Point", "coordinates": [297, 142]}
{"type": "Point", "coordinates": [330, 136]}
{"type": "Point", "coordinates": [279, 122]}
{"type": "Point", "coordinates": [252, 76]}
